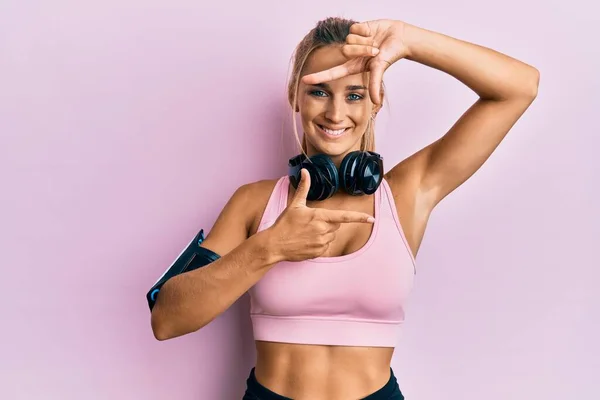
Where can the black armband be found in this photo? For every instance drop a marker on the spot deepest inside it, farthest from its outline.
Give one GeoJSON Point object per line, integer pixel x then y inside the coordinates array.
{"type": "Point", "coordinates": [191, 258]}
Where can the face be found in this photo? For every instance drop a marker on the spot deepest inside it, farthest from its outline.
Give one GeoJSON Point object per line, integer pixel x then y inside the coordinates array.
{"type": "Point", "coordinates": [335, 114]}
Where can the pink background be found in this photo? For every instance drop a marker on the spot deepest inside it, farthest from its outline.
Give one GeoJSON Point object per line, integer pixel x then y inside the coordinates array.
{"type": "Point", "coordinates": [126, 125]}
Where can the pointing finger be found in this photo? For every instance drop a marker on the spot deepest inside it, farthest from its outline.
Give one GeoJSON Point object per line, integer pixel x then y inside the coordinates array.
{"type": "Point", "coordinates": [339, 216]}
{"type": "Point", "coordinates": [348, 68]}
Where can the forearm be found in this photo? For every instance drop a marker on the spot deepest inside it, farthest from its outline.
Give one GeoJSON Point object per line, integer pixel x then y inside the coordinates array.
{"type": "Point", "coordinates": [189, 301]}
{"type": "Point", "coordinates": [492, 75]}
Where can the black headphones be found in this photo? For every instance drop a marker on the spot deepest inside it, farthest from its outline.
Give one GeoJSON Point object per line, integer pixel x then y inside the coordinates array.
{"type": "Point", "coordinates": [361, 172]}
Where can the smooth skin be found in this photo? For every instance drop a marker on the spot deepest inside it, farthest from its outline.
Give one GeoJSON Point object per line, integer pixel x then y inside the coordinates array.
{"type": "Point", "coordinates": [341, 89]}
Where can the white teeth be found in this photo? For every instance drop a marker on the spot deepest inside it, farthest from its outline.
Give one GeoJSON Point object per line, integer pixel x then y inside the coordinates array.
{"type": "Point", "coordinates": [334, 133]}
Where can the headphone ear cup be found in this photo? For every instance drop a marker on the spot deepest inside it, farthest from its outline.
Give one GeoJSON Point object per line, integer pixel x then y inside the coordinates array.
{"type": "Point", "coordinates": [326, 179]}
{"type": "Point", "coordinates": [347, 173]}
{"type": "Point", "coordinates": [295, 164]}
{"type": "Point", "coordinates": [361, 172]}
{"type": "Point", "coordinates": [371, 173]}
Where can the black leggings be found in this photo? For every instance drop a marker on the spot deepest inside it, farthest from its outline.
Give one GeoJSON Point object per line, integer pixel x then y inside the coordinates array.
{"type": "Point", "coordinates": [256, 391]}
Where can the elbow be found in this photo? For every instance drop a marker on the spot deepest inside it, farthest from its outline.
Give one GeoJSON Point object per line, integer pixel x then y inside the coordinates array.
{"type": "Point", "coordinates": [169, 318]}
{"type": "Point", "coordinates": [533, 84]}
{"type": "Point", "coordinates": [525, 88]}
{"type": "Point", "coordinates": [162, 325]}
{"type": "Point", "coordinates": [164, 331]}
{"type": "Point", "coordinates": [161, 317]}
{"type": "Point", "coordinates": [161, 334]}
{"type": "Point", "coordinates": [160, 328]}
{"type": "Point", "coordinates": [165, 327]}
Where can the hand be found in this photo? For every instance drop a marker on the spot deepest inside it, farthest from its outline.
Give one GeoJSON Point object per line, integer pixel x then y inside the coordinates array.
{"type": "Point", "coordinates": [371, 46]}
{"type": "Point", "coordinates": [302, 232]}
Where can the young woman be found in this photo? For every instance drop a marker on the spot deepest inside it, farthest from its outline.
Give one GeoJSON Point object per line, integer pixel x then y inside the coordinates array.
{"type": "Point", "coordinates": [328, 251]}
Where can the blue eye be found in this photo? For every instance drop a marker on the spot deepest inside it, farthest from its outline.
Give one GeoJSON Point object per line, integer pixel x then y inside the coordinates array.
{"type": "Point", "coordinates": [318, 93]}
{"type": "Point", "coordinates": [351, 97]}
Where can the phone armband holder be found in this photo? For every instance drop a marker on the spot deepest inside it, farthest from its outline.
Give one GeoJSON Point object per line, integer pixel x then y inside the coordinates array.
{"type": "Point", "coordinates": [191, 258]}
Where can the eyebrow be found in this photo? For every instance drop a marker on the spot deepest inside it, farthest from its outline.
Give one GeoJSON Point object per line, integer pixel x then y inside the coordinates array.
{"type": "Point", "coordinates": [349, 87]}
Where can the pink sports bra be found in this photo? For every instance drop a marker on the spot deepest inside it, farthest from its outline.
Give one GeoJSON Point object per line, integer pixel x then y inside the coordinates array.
{"type": "Point", "coordinates": [351, 300]}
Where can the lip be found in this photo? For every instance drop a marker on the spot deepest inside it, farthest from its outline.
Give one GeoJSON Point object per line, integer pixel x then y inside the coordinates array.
{"type": "Point", "coordinates": [322, 131]}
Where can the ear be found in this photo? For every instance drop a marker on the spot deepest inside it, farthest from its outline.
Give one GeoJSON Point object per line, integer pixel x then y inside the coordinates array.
{"type": "Point", "coordinates": [376, 109]}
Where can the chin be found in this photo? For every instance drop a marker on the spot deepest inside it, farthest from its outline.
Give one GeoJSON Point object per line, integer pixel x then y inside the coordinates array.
{"type": "Point", "coordinates": [331, 149]}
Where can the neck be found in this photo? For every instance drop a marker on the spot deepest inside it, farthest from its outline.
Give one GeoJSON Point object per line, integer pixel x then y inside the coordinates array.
{"type": "Point", "coordinates": [336, 159]}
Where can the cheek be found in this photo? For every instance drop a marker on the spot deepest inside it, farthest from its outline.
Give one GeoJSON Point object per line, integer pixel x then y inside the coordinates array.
{"type": "Point", "coordinates": [309, 108]}
{"type": "Point", "coordinates": [361, 116]}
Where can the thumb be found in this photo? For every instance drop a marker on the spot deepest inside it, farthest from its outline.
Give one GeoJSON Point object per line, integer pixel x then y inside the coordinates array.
{"type": "Point", "coordinates": [377, 67]}
{"type": "Point", "coordinates": [302, 189]}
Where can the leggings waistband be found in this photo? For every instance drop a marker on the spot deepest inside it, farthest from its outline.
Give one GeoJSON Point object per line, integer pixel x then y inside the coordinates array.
{"type": "Point", "coordinates": [256, 391]}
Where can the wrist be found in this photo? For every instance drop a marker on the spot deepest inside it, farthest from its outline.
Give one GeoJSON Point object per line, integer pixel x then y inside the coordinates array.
{"type": "Point", "coordinates": [410, 38]}
{"type": "Point", "coordinates": [267, 246]}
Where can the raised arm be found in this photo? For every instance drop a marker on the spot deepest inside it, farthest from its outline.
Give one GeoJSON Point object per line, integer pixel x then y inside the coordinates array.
{"type": "Point", "coordinates": [506, 88]}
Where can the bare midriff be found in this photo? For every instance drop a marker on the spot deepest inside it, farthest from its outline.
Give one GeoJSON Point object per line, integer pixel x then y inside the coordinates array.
{"type": "Point", "coordinates": [316, 372]}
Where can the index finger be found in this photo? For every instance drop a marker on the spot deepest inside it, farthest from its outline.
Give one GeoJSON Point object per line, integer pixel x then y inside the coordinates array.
{"type": "Point", "coordinates": [350, 67]}
{"type": "Point", "coordinates": [340, 216]}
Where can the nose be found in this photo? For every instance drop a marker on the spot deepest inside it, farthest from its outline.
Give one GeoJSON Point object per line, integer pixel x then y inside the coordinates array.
{"type": "Point", "coordinates": [336, 110]}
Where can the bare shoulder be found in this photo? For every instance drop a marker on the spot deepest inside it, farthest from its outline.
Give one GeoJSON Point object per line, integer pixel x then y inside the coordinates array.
{"type": "Point", "coordinates": [237, 220]}
{"type": "Point", "coordinates": [257, 197]}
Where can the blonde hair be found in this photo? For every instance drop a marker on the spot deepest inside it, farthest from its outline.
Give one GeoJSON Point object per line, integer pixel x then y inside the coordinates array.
{"type": "Point", "coordinates": [327, 32]}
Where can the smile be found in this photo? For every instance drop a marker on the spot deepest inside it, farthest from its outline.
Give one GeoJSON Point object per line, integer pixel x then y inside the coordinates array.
{"type": "Point", "coordinates": [331, 132]}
